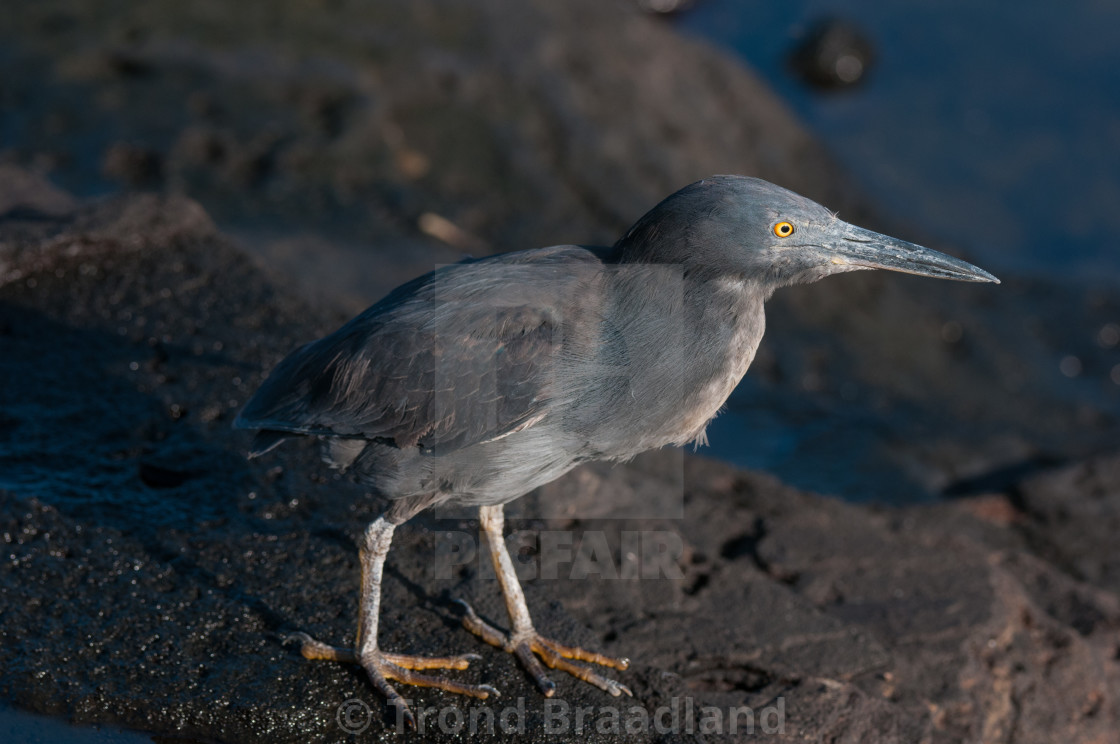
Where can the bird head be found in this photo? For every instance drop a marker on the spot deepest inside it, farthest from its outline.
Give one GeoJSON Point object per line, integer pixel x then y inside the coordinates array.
{"type": "Point", "coordinates": [762, 233]}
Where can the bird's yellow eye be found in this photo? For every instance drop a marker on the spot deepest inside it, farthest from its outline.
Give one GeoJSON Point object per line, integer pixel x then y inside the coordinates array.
{"type": "Point", "coordinates": [783, 229]}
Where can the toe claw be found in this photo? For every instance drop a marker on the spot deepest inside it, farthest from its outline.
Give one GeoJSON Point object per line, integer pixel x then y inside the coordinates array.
{"type": "Point", "coordinates": [299, 636]}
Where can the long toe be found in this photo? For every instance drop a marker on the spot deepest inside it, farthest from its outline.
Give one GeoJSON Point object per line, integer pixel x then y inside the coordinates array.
{"type": "Point", "coordinates": [407, 661]}
{"type": "Point", "coordinates": [392, 697]}
{"type": "Point", "coordinates": [620, 663]}
{"type": "Point", "coordinates": [381, 670]}
{"type": "Point", "coordinates": [557, 656]}
{"type": "Point", "coordinates": [524, 652]}
{"type": "Point", "coordinates": [528, 645]}
{"type": "Point", "coordinates": [382, 666]}
{"type": "Point", "coordinates": [313, 649]}
{"type": "Point", "coordinates": [377, 664]}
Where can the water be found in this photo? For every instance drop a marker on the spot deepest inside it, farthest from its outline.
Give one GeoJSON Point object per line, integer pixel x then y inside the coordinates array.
{"type": "Point", "coordinates": [30, 728]}
{"type": "Point", "coordinates": [992, 125]}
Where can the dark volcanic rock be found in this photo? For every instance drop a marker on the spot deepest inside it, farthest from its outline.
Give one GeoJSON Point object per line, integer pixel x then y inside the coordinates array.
{"type": "Point", "coordinates": [151, 573]}
{"type": "Point", "coordinates": [1076, 513]}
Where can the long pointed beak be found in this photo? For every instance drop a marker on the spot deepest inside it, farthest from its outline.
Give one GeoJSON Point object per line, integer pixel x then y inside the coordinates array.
{"type": "Point", "coordinates": [871, 250]}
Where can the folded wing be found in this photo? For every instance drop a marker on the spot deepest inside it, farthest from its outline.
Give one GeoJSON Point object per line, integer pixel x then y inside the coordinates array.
{"type": "Point", "coordinates": [463, 355]}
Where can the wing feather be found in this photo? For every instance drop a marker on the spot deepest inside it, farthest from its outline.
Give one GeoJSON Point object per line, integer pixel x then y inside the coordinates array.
{"type": "Point", "coordinates": [463, 355]}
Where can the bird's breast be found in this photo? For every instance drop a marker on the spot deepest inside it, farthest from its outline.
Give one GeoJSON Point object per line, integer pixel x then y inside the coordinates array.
{"type": "Point", "coordinates": [712, 391]}
{"type": "Point", "coordinates": [681, 378]}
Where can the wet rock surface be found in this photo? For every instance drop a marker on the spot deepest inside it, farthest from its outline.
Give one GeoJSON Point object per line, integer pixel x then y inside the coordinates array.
{"type": "Point", "coordinates": [149, 573]}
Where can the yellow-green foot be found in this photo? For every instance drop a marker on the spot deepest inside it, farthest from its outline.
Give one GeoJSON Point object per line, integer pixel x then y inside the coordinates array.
{"type": "Point", "coordinates": [527, 644]}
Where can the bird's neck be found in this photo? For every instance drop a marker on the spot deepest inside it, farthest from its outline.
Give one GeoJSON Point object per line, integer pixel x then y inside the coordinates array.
{"type": "Point", "coordinates": [726, 321]}
{"type": "Point", "coordinates": [696, 311]}
{"type": "Point", "coordinates": [729, 321]}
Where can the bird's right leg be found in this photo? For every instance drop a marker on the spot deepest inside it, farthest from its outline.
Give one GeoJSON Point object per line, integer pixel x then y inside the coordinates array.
{"type": "Point", "coordinates": [523, 641]}
{"type": "Point", "coordinates": [382, 666]}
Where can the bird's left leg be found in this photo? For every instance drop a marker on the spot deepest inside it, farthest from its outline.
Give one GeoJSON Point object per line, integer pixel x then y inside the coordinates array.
{"type": "Point", "coordinates": [383, 666]}
{"type": "Point", "coordinates": [523, 641]}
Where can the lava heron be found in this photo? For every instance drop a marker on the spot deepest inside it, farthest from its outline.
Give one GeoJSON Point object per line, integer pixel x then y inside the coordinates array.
{"type": "Point", "coordinates": [480, 381]}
